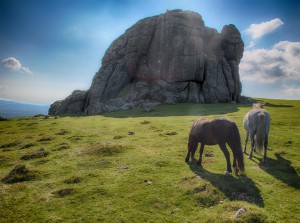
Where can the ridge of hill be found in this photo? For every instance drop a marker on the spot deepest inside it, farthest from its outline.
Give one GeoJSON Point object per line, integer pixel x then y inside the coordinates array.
{"type": "Point", "coordinates": [12, 109]}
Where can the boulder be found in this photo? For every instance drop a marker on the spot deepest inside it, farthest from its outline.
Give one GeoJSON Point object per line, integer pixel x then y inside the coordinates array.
{"type": "Point", "coordinates": [164, 59]}
{"type": "Point", "coordinates": [73, 104]}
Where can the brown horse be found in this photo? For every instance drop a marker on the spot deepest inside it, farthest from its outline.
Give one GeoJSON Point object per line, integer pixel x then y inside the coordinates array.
{"type": "Point", "coordinates": [217, 131]}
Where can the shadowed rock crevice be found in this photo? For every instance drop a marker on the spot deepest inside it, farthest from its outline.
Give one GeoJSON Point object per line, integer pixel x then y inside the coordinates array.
{"type": "Point", "coordinates": [164, 59]}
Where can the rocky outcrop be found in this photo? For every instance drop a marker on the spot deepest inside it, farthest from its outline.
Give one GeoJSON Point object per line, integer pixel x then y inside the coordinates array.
{"type": "Point", "coordinates": [169, 58]}
{"type": "Point", "coordinates": [73, 104]}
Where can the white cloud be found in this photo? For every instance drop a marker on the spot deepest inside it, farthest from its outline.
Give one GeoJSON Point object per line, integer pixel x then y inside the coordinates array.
{"type": "Point", "coordinates": [2, 87]}
{"type": "Point", "coordinates": [26, 70]}
{"type": "Point", "coordinates": [251, 45]}
{"type": "Point", "coordinates": [281, 62]}
{"type": "Point", "coordinates": [292, 92]}
{"type": "Point", "coordinates": [256, 31]}
{"type": "Point", "coordinates": [14, 64]}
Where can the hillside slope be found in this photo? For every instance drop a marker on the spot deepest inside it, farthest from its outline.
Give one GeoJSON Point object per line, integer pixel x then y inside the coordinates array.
{"type": "Point", "coordinates": [129, 167]}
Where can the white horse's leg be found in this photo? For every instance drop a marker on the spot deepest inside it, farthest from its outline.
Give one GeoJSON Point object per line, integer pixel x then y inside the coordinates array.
{"type": "Point", "coordinates": [266, 148]}
{"type": "Point", "coordinates": [252, 145]}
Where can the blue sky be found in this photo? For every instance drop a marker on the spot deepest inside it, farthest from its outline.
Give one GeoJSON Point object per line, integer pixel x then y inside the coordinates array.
{"type": "Point", "coordinates": [48, 48]}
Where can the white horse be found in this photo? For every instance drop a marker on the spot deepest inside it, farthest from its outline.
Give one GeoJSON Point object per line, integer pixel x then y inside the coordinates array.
{"type": "Point", "coordinates": [257, 123]}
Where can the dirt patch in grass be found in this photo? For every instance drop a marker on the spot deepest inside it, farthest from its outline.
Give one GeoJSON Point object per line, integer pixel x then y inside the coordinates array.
{"type": "Point", "coordinates": [108, 149]}
{"type": "Point", "coordinates": [73, 180]}
{"type": "Point", "coordinates": [28, 145]}
{"type": "Point", "coordinates": [45, 139]}
{"type": "Point", "coordinates": [62, 132]}
{"type": "Point", "coordinates": [171, 133]}
{"type": "Point", "coordinates": [9, 145]}
{"type": "Point", "coordinates": [40, 162]}
{"type": "Point", "coordinates": [75, 138]}
{"type": "Point", "coordinates": [168, 134]}
{"type": "Point", "coordinates": [36, 154]}
{"type": "Point", "coordinates": [63, 192]}
{"type": "Point", "coordinates": [119, 137]}
{"type": "Point", "coordinates": [145, 122]}
{"type": "Point", "coordinates": [62, 146]}
{"type": "Point", "coordinates": [20, 174]}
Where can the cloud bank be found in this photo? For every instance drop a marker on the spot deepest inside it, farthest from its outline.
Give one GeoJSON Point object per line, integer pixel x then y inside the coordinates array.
{"type": "Point", "coordinates": [14, 64]}
{"type": "Point", "coordinates": [281, 62]}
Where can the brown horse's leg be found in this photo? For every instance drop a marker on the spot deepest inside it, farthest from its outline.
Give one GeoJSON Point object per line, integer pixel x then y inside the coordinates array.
{"type": "Point", "coordinates": [227, 156]}
{"type": "Point", "coordinates": [201, 152]}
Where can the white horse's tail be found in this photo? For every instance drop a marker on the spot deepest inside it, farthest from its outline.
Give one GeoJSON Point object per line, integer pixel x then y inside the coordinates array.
{"type": "Point", "coordinates": [261, 131]}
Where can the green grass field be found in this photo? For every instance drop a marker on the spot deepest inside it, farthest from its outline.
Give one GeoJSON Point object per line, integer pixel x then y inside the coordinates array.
{"type": "Point", "coordinates": [128, 166]}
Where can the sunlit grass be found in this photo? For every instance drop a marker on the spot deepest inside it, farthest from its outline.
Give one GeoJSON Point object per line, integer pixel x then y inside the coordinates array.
{"type": "Point", "coordinates": [128, 166]}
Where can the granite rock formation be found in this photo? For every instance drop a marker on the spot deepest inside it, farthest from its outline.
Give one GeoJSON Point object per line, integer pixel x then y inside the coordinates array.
{"type": "Point", "coordinates": [169, 58]}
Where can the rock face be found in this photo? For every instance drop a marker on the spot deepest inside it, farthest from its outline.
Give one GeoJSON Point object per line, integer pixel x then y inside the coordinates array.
{"type": "Point", "coordinates": [169, 58]}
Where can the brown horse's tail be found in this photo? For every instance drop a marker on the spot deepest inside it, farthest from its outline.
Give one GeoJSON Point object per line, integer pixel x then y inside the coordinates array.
{"type": "Point", "coordinates": [261, 131]}
{"type": "Point", "coordinates": [240, 159]}
{"type": "Point", "coordinates": [192, 147]}
{"type": "Point", "coordinates": [236, 147]}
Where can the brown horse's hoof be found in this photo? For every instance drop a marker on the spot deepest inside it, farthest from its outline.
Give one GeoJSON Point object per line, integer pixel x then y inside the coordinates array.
{"type": "Point", "coordinates": [236, 171]}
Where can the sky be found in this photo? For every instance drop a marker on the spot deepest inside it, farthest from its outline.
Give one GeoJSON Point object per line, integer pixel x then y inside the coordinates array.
{"type": "Point", "coordinates": [48, 48]}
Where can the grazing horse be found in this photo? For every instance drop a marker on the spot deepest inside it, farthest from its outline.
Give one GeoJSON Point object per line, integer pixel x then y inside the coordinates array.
{"type": "Point", "coordinates": [217, 131]}
{"type": "Point", "coordinates": [257, 123]}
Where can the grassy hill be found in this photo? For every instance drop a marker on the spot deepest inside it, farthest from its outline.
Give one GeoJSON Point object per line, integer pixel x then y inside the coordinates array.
{"type": "Point", "coordinates": [129, 166]}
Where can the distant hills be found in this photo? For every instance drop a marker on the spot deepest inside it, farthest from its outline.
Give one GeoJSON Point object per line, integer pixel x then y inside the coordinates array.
{"type": "Point", "coordinates": [12, 109]}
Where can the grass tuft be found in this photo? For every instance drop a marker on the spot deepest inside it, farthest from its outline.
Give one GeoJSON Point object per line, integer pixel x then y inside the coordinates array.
{"type": "Point", "coordinates": [62, 132]}
{"type": "Point", "coordinates": [73, 180]}
{"type": "Point", "coordinates": [19, 174]}
{"type": "Point", "coordinates": [45, 139]}
{"type": "Point", "coordinates": [28, 145]}
{"type": "Point", "coordinates": [9, 145]}
{"type": "Point", "coordinates": [108, 149]}
{"type": "Point", "coordinates": [35, 155]}
{"type": "Point", "coordinates": [63, 192]}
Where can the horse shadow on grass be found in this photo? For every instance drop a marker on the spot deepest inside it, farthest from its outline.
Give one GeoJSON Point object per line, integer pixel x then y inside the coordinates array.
{"type": "Point", "coordinates": [239, 188]}
{"type": "Point", "coordinates": [282, 170]}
